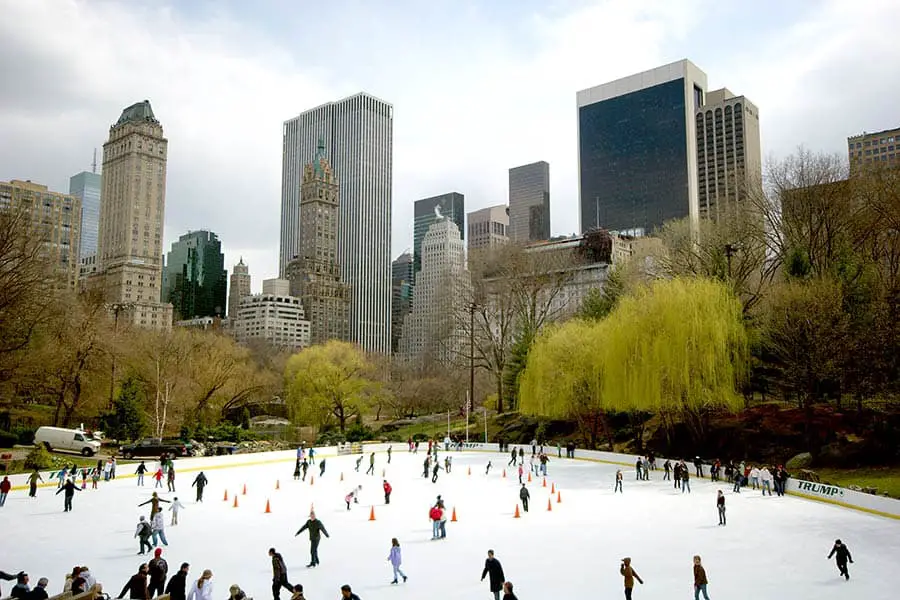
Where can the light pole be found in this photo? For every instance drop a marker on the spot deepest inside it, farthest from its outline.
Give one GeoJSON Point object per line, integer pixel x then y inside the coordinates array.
{"type": "Point", "coordinates": [730, 250]}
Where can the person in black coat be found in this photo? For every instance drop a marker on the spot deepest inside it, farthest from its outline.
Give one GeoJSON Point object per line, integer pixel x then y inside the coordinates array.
{"type": "Point", "coordinates": [69, 488]}
{"type": "Point", "coordinates": [524, 495]}
{"type": "Point", "coordinates": [9, 577]}
{"type": "Point", "coordinates": [841, 555]}
{"type": "Point", "coordinates": [178, 582]}
{"type": "Point", "coordinates": [494, 569]}
{"type": "Point", "coordinates": [200, 482]}
{"type": "Point", "coordinates": [316, 529]}
{"type": "Point", "coordinates": [137, 585]}
{"type": "Point", "coordinates": [40, 590]}
{"type": "Point", "coordinates": [279, 574]}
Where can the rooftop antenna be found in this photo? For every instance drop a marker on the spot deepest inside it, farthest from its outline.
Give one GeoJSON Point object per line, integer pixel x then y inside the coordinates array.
{"type": "Point", "coordinates": [94, 163]}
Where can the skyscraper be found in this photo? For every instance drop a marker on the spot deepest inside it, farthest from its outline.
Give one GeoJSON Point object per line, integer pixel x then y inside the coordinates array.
{"type": "Point", "coordinates": [273, 316]}
{"type": "Point", "coordinates": [529, 203]}
{"type": "Point", "coordinates": [874, 149]}
{"type": "Point", "coordinates": [86, 187]}
{"type": "Point", "coordinates": [428, 211]}
{"type": "Point", "coordinates": [637, 149]}
{"type": "Point", "coordinates": [488, 227]}
{"type": "Point", "coordinates": [729, 157]}
{"type": "Point", "coordinates": [432, 336]}
{"type": "Point", "coordinates": [194, 276]}
{"type": "Point", "coordinates": [238, 287]}
{"type": "Point", "coordinates": [131, 216]}
{"type": "Point", "coordinates": [315, 275]}
{"type": "Point", "coordinates": [358, 134]}
{"type": "Point", "coordinates": [401, 295]}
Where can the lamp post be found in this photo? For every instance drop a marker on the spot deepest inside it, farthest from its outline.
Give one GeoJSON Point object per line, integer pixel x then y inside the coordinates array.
{"type": "Point", "coordinates": [730, 250]}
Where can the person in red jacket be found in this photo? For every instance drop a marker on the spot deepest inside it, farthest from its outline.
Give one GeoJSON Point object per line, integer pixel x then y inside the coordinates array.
{"type": "Point", "coordinates": [5, 486]}
{"type": "Point", "coordinates": [387, 492]}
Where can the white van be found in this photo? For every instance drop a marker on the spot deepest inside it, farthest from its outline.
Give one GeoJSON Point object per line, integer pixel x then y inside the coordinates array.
{"type": "Point", "coordinates": [73, 440]}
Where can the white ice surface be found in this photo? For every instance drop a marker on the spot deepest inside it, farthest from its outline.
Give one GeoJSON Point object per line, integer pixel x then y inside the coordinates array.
{"type": "Point", "coordinates": [771, 549]}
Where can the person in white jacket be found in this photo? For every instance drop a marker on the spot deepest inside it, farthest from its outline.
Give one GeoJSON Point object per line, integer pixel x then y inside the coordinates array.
{"type": "Point", "coordinates": [174, 509]}
{"type": "Point", "coordinates": [754, 478]}
{"type": "Point", "coordinates": [158, 529]}
{"type": "Point", "coordinates": [202, 588]}
{"type": "Point", "coordinates": [765, 477]}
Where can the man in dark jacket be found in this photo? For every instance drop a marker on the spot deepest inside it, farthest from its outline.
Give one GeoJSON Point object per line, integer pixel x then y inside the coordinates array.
{"type": "Point", "coordinates": [316, 529]}
{"type": "Point", "coordinates": [40, 590]}
{"type": "Point", "coordinates": [279, 575]}
{"type": "Point", "coordinates": [178, 583]}
{"type": "Point", "coordinates": [137, 585]}
{"type": "Point", "coordinates": [841, 555]}
{"type": "Point", "coordinates": [159, 571]}
{"type": "Point", "coordinates": [69, 488]}
{"type": "Point", "coordinates": [21, 589]}
{"type": "Point", "coordinates": [9, 577]}
{"type": "Point", "coordinates": [524, 495]}
{"type": "Point", "coordinates": [200, 482]}
{"type": "Point", "coordinates": [493, 568]}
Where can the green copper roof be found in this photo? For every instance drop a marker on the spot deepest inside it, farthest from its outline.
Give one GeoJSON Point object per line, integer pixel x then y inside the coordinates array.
{"type": "Point", "coordinates": [320, 155]}
{"type": "Point", "coordinates": [140, 111]}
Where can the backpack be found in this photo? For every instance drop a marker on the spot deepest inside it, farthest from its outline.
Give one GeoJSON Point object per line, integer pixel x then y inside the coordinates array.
{"type": "Point", "coordinates": [435, 513]}
{"type": "Point", "coordinates": [145, 529]}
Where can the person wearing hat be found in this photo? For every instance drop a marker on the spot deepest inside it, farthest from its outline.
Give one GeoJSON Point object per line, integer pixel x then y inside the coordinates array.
{"type": "Point", "coordinates": [630, 575]}
{"type": "Point", "coordinates": [202, 588]}
{"type": "Point", "coordinates": [159, 571]}
{"type": "Point", "coordinates": [315, 528]}
{"type": "Point", "coordinates": [40, 591]}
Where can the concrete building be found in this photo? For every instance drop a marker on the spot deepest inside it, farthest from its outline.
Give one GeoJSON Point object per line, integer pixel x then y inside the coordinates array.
{"type": "Point", "coordinates": [432, 335]}
{"type": "Point", "coordinates": [55, 218]}
{"type": "Point", "coordinates": [428, 211]}
{"type": "Point", "coordinates": [132, 213]}
{"type": "Point", "coordinates": [86, 187]}
{"type": "Point", "coordinates": [274, 316]}
{"type": "Point", "coordinates": [874, 149]}
{"type": "Point", "coordinates": [88, 268]}
{"type": "Point", "coordinates": [488, 227]}
{"type": "Point", "coordinates": [314, 274]}
{"type": "Point", "coordinates": [529, 203]}
{"type": "Point", "coordinates": [637, 149]}
{"type": "Point", "coordinates": [358, 133]}
{"type": "Point", "coordinates": [239, 287]}
{"type": "Point", "coordinates": [729, 155]}
{"type": "Point", "coordinates": [194, 276]}
{"type": "Point", "coordinates": [402, 278]}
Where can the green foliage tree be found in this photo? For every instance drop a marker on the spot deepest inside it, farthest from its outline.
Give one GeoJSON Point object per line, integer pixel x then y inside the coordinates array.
{"type": "Point", "coordinates": [599, 302]}
{"type": "Point", "coordinates": [128, 421]}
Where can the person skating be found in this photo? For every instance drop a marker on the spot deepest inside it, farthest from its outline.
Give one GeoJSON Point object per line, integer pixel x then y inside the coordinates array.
{"type": "Point", "coordinates": [297, 470]}
{"type": "Point", "coordinates": [521, 472]}
{"type": "Point", "coordinates": [371, 469]}
{"type": "Point", "coordinates": [448, 464]}
{"type": "Point", "coordinates": [427, 466]}
{"type": "Point", "coordinates": [512, 458]}
{"type": "Point", "coordinates": [698, 465]}
{"type": "Point", "coordinates": [396, 559]}
{"type": "Point", "coordinates": [143, 532]}
{"type": "Point", "coordinates": [158, 570]}
{"type": "Point", "coordinates": [676, 475]}
{"type": "Point", "coordinates": [279, 574]}
{"type": "Point", "coordinates": [321, 468]}
{"type": "Point", "coordinates": [347, 593]}
{"type": "Point", "coordinates": [434, 514]}
{"type": "Point", "coordinates": [646, 469]}
{"type": "Point", "coordinates": [387, 491]}
{"type": "Point", "coordinates": [202, 588]}
{"type": "Point", "coordinates": [765, 479]}
{"type": "Point", "coordinates": [508, 591]}
{"type": "Point", "coordinates": [626, 571]}
{"type": "Point", "coordinates": [434, 471]}
{"type": "Point", "coordinates": [95, 478]}
{"type": "Point", "coordinates": [304, 466]}
{"type": "Point", "coordinates": [175, 509]}
{"type": "Point", "coordinates": [141, 470]}
{"type": "Point", "coordinates": [33, 483]}
{"type": "Point", "coordinates": [158, 476]}
{"type": "Point", "coordinates": [737, 482]}
{"type": "Point", "coordinates": [619, 478]}
{"type": "Point", "coordinates": [700, 581]}
{"type": "Point", "coordinates": [494, 570]}
{"type": "Point", "coordinates": [521, 456]}
{"type": "Point", "coordinates": [487, 469]}
{"type": "Point", "coordinates": [390, 448]}
{"type": "Point", "coordinates": [5, 486]}
{"type": "Point", "coordinates": [158, 529]}
{"type": "Point", "coordinates": [524, 495]}
{"type": "Point", "coordinates": [685, 480]}
{"type": "Point", "coordinates": [720, 505]}
{"type": "Point", "coordinates": [200, 482]}
{"type": "Point", "coordinates": [841, 555]}
{"type": "Point", "coordinates": [154, 504]}
{"type": "Point", "coordinates": [136, 587]}
{"type": "Point", "coordinates": [358, 462]}
{"type": "Point", "coordinates": [353, 496]}
{"type": "Point", "coordinates": [316, 529]}
{"type": "Point", "coordinates": [177, 585]}
{"type": "Point", "coordinates": [667, 467]}
{"type": "Point", "coordinates": [312, 456]}
{"type": "Point", "coordinates": [69, 488]}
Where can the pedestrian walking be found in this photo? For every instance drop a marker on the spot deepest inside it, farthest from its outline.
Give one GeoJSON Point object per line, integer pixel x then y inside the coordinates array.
{"type": "Point", "coordinates": [700, 581]}
{"type": "Point", "coordinates": [279, 574]}
{"type": "Point", "coordinates": [316, 529]}
{"type": "Point", "coordinates": [494, 570]}
{"type": "Point", "coordinates": [630, 575]}
{"type": "Point", "coordinates": [396, 559]}
{"type": "Point", "coordinates": [841, 555]}
{"type": "Point", "coordinates": [158, 569]}
{"type": "Point", "coordinates": [720, 505]}
{"type": "Point", "coordinates": [524, 495]}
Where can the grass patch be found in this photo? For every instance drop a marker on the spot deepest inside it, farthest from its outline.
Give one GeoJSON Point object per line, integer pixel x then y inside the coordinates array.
{"type": "Point", "coordinates": [884, 479]}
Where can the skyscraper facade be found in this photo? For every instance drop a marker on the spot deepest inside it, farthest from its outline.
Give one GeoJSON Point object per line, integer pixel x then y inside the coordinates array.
{"type": "Point", "coordinates": [874, 149]}
{"type": "Point", "coordinates": [401, 295]}
{"type": "Point", "coordinates": [239, 287]}
{"type": "Point", "coordinates": [488, 227]}
{"type": "Point", "coordinates": [637, 149]}
{"type": "Point", "coordinates": [129, 243]}
{"type": "Point", "coordinates": [428, 211]}
{"type": "Point", "coordinates": [194, 276]}
{"type": "Point", "coordinates": [729, 156]}
{"type": "Point", "coordinates": [315, 275]}
{"type": "Point", "coordinates": [274, 316]}
{"type": "Point", "coordinates": [358, 134]}
{"type": "Point", "coordinates": [55, 218]}
{"type": "Point", "coordinates": [529, 203]}
{"type": "Point", "coordinates": [86, 187]}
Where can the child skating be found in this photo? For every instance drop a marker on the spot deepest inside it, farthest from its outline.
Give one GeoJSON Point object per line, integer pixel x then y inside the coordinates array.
{"type": "Point", "coordinates": [395, 559]}
{"type": "Point", "coordinates": [174, 509]}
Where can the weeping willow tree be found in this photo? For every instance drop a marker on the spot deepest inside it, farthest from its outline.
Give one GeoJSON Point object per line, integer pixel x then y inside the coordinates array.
{"type": "Point", "coordinates": [675, 347]}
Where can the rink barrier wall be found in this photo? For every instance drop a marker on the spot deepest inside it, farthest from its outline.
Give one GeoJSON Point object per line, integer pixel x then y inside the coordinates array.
{"type": "Point", "coordinates": [829, 494]}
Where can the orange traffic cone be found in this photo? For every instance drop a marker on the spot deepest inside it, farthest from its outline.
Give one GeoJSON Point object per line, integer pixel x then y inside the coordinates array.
{"type": "Point", "coordinates": [372, 514]}
{"type": "Point", "coordinates": [553, 488]}
{"type": "Point", "coordinates": [558, 497]}
{"type": "Point", "coordinates": [529, 476]}
{"type": "Point", "coordinates": [268, 507]}
{"type": "Point", "coordinates": [545, 482]}
{"type": "Point", "coordinates": [549, 504]}
{"type": "Point", "coordinates": [277, 485]}
{"type": "Point", "coordinates": [235, 501]}
{"type": "Point", "coordinates": [516, 514]}
{"type": "Point", "coordinates": [504, 472]}
{"type": "Point", "coordinates": [453, 517]}
{"type": "Point", "coordinates": [225, 499]}
{"type": "Point", "coordinates": [245, 489]}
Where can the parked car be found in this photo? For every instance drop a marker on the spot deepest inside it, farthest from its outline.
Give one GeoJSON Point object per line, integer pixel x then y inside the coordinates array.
{"type": "Point", "coordinates": [71, 440]}
{"type": "Point", "coordinates": [154, 447]}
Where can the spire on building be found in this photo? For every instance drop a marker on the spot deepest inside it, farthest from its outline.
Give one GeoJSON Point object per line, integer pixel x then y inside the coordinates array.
{"type": "Point", "coordinates": [320, 156]}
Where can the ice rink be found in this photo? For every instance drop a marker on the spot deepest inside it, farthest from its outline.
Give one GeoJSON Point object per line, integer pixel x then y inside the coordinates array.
{"type": "Point", "coordinates": [772, 548]}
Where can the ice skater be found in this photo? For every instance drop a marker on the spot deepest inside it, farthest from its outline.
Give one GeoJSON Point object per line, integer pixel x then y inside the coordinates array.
{"type": "Point", "coordinates": [358, 462]}
{"type": "Point", "coordinates": [389, 450]}
{"type": "Point", "coordinates": [304, 466]}
{"type": "Point", "coordinates": [508, 591]}
{"type": "Point", "coordinates": [69, 488]}
{"type": "Point", "coordinates": [700, 581]}
{"type": "Point", "coordinates": [200, 482]}
{"type": "Point", "coordinates": [174, 509]}
{"type": "Point", "coordinates": [154, 504]}
{"type": "Point", "coordinates": [321, 468]}
{"type": "Point", "coordinates": [371, 469]}
{"type": "Point", "coordinates": [33, 483]}
{"type": "Point", "coordinates": [158, 529]}
{"type": "Point", "coordinates": [487, 469]}
{"type": "Point", "coordinates": [297, 470]}
{"type": "Point", "coordinates": [316, 529]}
{"type": "Point", "coordinates": [279, 575]}
{"type": "Point", "coordinates": [312, 456]}
{"type": "Point", "coordinates": [427, 466]}
{"type": "Point", "coordinates": [667, 468]}
{"type": "Point", "coordinates": [353, 496]}
{"type": "Point", "coordinates": [494, 570]}
{"type": "Point", "coordinates": [626, 571]}
{"type": "Point", "coordinates": [521, 472]}
{"type": "Point", "coordinates": [387, 491]}
{"type": "Point", "coordinates": [841, 555]}
{"type": "Point", "coordinates": [720, 504]}
{"type": "Point", "coordinates": [434, 471]}
{"type": "Point", "coordinates": [637, 469]}
{"type": "Point", "coordinates": [5, 486]}
{"type": "Point", "coordinates": [524, 496]}
{"type": "Point", "coordinates": [396, 559]}
{"type": "Point", "coordinates": [619, 478]}
{"type": "Point", "coordinates": [143, 532]}
{"type": "Point", "coordinates": [512, 458]}
{"type": "Point", "coordinates": [158, 477]}
{"type": "Point", "coordinates": [170, 478]}
{"type": "Point", "coordinates": [141, 470]}
{"type": "Point", "coordinates": [685, 480]}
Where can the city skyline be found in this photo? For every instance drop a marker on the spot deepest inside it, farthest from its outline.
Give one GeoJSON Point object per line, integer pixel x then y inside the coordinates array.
{"type": "Point", "coordinates": [808, 92]}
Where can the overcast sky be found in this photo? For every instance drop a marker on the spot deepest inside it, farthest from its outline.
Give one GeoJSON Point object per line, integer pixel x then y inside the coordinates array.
{"type": "Point", "coordinates": [478, 86]}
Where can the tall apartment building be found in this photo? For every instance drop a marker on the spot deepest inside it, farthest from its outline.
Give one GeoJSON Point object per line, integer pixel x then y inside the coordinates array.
{"type": "Point", "coordinates": [488, 227]}
{"type": "Point", "coordinates": [529, 203]}
{"type": "Point", "coordinates": [315, 275]}
{"type": "Point", "coordinates": [874, 149]}
{"type": "Point", "coordinates": [428, 211]}
{"type": "Point", "coordinates": [358, 132]}
{"type": "Point", "coordinates": [132, 213]}
{"type": "Point", "coordinates": [273, 316]}
{"type": "Point", "coordinates": [729, 155]}
{"type": "Point", "coordinates": [432, 335]}
{"type": "Point", "coordinates": [55, 217]}
{"type": "Point", "coordinates": [637, 149]}
{"type": "Point", "coordinates": [194, 276]}
{"type": "Point", "coordinates": [238, 287]}
{"type": "Point", "coordinates": [401, 295]}
{"type": "Point", "coordinates": [86, 187]}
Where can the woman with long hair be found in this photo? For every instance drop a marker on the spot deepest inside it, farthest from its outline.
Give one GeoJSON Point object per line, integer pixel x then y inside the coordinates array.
{"type": "Point", "coordinates": [202, 588]}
